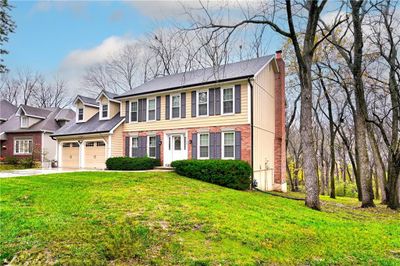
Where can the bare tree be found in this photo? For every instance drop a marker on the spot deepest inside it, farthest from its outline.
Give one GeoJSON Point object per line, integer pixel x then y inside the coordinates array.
{"type": "Point", "coordinates": [9, 89]}
{"type": "Point", "coordinates": [50, 94]}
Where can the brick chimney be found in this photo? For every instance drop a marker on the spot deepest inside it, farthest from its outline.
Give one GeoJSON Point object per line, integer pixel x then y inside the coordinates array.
{"type": "Point", "coordinates": [280, 129]}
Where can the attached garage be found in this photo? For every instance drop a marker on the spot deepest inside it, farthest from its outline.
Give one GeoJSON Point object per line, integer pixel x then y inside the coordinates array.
{"type": "Point", "coordinates": [70, 155]}
{"type": "Point", "coordinates": [95, 154]}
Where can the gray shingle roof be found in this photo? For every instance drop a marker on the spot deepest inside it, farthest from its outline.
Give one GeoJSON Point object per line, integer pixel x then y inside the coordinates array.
{"type": "Point", "coordinates": [7, 109]}
{"type": "Point", "coordinates": [110, 95]}
{"type": "Point", "coordinates": [88, 100]}
{"type": "Point", "coordinates": [65, 114]}
{"type": "Point", "coordinates": [49, 124]}
{"type": "Point", "coordinates": [34, 111]}
{"type": "Point", "coordinates": [230, 71]}
{"type": "Point", "coordinates": [93, 125]}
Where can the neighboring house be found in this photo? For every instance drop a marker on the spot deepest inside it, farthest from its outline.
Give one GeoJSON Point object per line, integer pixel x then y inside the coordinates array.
{"type": "Point", "coordinates": [95, 135]}
{"type": "Point", "coordinates": [7, 109]}
{"type": "Point", "coordinates": [236, 111]}
{"type": "Point", "coordinates": [27, 131]}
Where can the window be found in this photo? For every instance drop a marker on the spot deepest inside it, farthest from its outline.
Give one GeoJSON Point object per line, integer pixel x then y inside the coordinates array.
{"type": "Point", "coordinates": [151, 106]}
{"type": "Point", "coordinates": [100, 144]}
{"type": "Point", "coordinates": [203, 145]}
{"type": "Point", "coordinates": [104, 111]}
{"type": "Point", "coordinates": [80, 114]}
{"type": "Point", "coordinates": [135, 147]}
{"type": "Point", "coordinates": [227, 101]}
{"type": "Point", "coordinates": [90, 144]}
{"type": "Point", "coordinates": [66, 145]}
{"type": "Point", "coordinates": [134, 111]}
{"type": "Point", "coordinates": [75, 144]}
{"type": "Point", "coordinates": [24, 121]}
{"type": "Point", "coordinates": [152, 146]}
{"type": "Point", "coordinates": [23, 146]}
{"type": "Point", "coordinates": [177, 143]}
{"type": "Point", "coordinates": [176, 106]}
{"type": "Point", "coordinates": [228, 145]}
{"type": "Point", "coordinates": [202, 108]}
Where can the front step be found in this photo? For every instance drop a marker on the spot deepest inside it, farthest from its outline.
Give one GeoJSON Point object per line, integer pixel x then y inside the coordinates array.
{"type": "Point", "coordinates": [164, 168]}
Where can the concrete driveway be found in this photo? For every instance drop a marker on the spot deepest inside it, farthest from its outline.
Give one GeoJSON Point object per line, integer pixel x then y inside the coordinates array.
{"type": "Point", "coordinates": [37, 171]}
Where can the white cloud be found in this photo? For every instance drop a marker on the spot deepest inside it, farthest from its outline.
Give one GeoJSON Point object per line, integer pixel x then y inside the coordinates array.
{"type": "Point", "coordinates": [72, 68]}
{"type": "Point", "coordinates": [76, 7]}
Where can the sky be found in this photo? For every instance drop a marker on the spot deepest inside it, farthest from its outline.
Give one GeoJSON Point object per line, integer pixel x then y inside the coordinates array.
{"type": "Point", "coordinates": [64, 37]}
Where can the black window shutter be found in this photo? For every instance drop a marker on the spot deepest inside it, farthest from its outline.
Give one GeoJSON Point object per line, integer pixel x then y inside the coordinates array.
{"type": "Point", "coordinates": [238, 144]}
{"type": "Point", "coordinates": [194, 146]}
{"type": "Point", "coordinates": [211, 147]}
{"type": "Point", "coordinates": [127, 146]}
{"type": "Point", "coordinates": [193, 103]}
{"type": "Point", "coordinates": [126, 111]}
{"type": "Point", "coordinates": [237, 99]}
{"type": "Point", "coordinates": [158, 107]}
{"type": "Point", "coordinates": [140, 109]}
{"type": "Point", "coordinates": [217, 93]}
{"type": "Point", "coordinates": [144, 106]}
{"type": "Point", "coordinates": [142, 147]}
{"type": "Point", "coordinates": [167, 108]}
{"type": "Point", "coordinates": [217, 145]}
{"type": "Point", "coordinates": [211, 102]}
{"type": "Point", "coordinates": [158, 147]}
{"type": "Point", "coordinates": [183, 104]}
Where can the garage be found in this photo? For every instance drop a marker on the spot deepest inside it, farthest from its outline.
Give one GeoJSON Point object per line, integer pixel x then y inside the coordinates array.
{"type": "Point", "coordinates": [70, 155]}
{"type": "Point", "coordinates": [95, 154]}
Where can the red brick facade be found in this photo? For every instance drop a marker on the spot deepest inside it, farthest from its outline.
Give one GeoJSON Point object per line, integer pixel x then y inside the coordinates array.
{"type": "Point", "coordinates": [7, 146]}
{"type": "Point", "coordinates": [280, 134]}
{"type": "Point", "coordinates": [245, 139]}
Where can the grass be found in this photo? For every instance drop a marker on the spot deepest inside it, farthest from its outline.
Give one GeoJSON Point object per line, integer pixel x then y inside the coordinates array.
{"type": "Point", "coordinates": [97, 218]}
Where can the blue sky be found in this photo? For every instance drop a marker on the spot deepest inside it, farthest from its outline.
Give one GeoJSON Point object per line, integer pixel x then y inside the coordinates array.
{"type": "Point", "coordinates": [65, 37]}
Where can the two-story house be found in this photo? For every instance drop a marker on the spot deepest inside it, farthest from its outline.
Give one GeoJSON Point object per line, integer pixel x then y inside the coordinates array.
{"type": "Point", "coordinates": [235, 111]}
{"type": "Point", "coordinates": [26, 132]}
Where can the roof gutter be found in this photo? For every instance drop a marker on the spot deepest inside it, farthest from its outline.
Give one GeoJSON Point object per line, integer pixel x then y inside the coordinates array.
{"type": "Point", "coordinates": [186, 86]}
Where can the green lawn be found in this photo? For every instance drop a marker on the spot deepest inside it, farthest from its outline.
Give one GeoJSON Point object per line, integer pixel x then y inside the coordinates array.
{"type": "Point", "coordinates": [98, 218]}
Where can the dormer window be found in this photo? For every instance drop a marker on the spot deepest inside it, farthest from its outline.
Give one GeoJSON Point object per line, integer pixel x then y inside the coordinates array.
{"type": "Point", "coordinates": [104, 111]}
{"type": "Point", "coordinates": [24, 121]}
{"type": "Point", "coordinates": [80, 114]}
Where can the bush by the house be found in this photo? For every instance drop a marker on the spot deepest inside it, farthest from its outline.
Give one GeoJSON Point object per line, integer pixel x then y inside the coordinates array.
{"type": "Point", "coordinates": [11, 160]}
{"type": "Point", "coordinates": [128, 163]}
{"type": "Point", "coordinates": [228, 173]}
{"type": "Point", "coordinates": [27, 162]}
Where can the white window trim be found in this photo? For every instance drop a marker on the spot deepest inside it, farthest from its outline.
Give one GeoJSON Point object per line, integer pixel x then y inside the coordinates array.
{"type": "Point", "coordinates": [137, 111]}
{"type": "Point", "coordinates": [22, 153]}
{"type": "Point", "coordinates": [101, 117]}
{"type": "Point", "coordinates": [27, 121]}
{"type": "Point", "coordinates": [148, 146]}
{"type": "Point", "coordinates": [148, 110]}
{"type": "Point", "coordinates": [198, 102]}
{"type": "Point", "coordinates": [131, 145]}
{"type": "Point", "coordinates": [180, 104]}
{"type": "Point", "coordinates": [83, 115]}
{"type": "Point", "coordinates": [223, 145]}
{"type": "Point", "coordinates": [233, 100]}
{"type": "Point", "coordinates": [198, 146]}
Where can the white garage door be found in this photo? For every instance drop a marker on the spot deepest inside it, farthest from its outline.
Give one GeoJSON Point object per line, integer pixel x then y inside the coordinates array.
{"type": "Point", "coordinates": [95, 154]}
{"type": "Point", "coordinates": [70, 155]}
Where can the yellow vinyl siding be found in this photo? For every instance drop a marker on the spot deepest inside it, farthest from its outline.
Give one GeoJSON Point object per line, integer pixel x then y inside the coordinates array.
{"type": "Point", "coordinates": [264, 127]}
{"type": "Point", "coordinates": [117, 142]}
{"type": "Point", "coordinates": [88, 112]}
{"type": "Point", "coordinates": [189, 121]}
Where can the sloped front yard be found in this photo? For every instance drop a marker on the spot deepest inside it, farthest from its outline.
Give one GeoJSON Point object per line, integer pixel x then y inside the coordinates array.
{"type": "Point", "coordinates": [142, 218]}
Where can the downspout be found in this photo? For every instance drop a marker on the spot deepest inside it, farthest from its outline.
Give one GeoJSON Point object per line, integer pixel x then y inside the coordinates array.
{"type": "Point", "coordinates": [251, 131]}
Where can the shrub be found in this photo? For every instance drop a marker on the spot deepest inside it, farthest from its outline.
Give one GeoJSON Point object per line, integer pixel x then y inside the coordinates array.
{"type": "Point", "coordinates": [346, 190]}
{"type": "Point", "coordinates": [128, 163]}
{"type": "Point", "coordinates": [228, 173]}
{"type": "Point", "coordinates": [27, 162]}
{"type": "Point", "coordinates": [11, 160]}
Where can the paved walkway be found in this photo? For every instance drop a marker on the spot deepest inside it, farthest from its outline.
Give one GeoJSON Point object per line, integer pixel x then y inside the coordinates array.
{"type": "Point", "coordinates": [37, 171]}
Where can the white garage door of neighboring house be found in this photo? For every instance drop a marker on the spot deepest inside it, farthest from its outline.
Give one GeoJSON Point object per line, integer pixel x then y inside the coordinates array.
{"type": "Point", "coordinates": [95, 154]}
{"type": "Point", "coordinates": [70, 155]}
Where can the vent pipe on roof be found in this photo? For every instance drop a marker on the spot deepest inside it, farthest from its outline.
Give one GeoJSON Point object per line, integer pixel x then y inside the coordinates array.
{"type": "Point", "coordinates": [278, 54]}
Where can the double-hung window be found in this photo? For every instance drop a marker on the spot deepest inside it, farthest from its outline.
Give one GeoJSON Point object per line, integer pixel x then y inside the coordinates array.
{"type": "Point", "coordinates": [134, 111]}
{"type": "Point", "coordinates": [152, 147]}
{"type": "Point", "coordinates": [135, 147]}
{"type": "Point", "coordinates": [80, 114]}
{"type": "Point", "coordinates": [227, 101]}
{"type": "Point", "coordinates": [176, 106]}
{"type": "Point", "coordinates": [202, 106]}
{"type": "Point", "coordinates": [228, 145]}
{"type": "Point", "coordinates": [104, 111]}
{"type": "Point", "coordinates": [23, 146]}
{"type": "Point", "coordinates": [24, 121]}
{"type": "Point", "coordinates": [204, 145]}
{"type": "Point", "coordinates": [151, 106]}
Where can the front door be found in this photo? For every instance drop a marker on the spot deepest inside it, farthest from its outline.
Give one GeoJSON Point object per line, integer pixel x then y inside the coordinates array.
{"type": "Point", "coordinates": [176, 148]}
